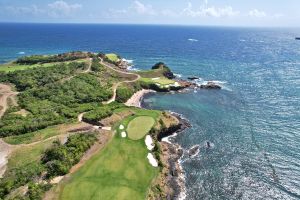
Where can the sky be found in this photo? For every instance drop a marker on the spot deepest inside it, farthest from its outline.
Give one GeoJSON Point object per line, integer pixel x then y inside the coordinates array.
{"type": "Point", "coordinates": [265, 13]}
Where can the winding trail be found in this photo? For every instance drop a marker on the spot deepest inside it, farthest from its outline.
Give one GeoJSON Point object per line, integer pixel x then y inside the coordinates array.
{"type": "Point", "coordinates": [83, 72]}
{"type": "Point", "coordinates": [5, 94]}
{"type": "Point", "coordinates": [115, 87]}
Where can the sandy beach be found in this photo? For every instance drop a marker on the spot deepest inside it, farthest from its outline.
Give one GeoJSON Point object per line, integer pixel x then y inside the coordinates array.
{"type": "Point", "coordinates": [137, 97]}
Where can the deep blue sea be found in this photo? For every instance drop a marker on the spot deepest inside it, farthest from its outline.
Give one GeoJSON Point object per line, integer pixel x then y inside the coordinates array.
{"type": "Point", "coordinates": [253, 123]}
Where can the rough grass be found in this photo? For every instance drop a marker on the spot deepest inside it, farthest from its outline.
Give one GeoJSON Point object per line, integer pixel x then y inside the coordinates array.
{"type": "Point", "coordinates": [41, 134]}
{"type": "Point", "coordinates": [10, 67]}
{"type": "Point", "coordinates": [25, 155]}
{"type": "Point", "coordinates": [139, 127]}
{"type": "Point", "coordinates": [120, 171]}
{"type": "Point", "coordinates": [112, 57]}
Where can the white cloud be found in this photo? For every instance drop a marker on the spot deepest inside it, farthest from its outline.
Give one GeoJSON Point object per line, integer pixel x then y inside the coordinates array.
{"type": "Point", "coordinates": [26, 10]}
{"type": "Point", "coordinates": [62, 8]}
{"type": "Point", "coordinates": [257, 13]}
{"type": "Point", "coordinates": [206, 11]}
{"type": "Point", "coordinates": [141, 8]}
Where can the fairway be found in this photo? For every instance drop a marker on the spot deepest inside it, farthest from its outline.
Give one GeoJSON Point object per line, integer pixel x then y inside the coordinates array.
{"type": "Point", "coordinates": [120, 171]}
{"type": "Point", "coordinates": [164, 81]}
{"type": "Point", "coordinates": [139, 127]}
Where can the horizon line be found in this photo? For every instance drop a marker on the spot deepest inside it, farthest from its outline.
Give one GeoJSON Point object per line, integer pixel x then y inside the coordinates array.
{"type": "Point", "coordinates": [148, 24]}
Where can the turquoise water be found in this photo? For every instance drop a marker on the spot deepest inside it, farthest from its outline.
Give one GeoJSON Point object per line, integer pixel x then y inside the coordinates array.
{"type": "Point", "coordinates": [253, 123]}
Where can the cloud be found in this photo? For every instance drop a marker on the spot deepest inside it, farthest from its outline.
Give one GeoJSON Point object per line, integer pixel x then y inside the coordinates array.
{"type": "Point", "coordinates": [55, 9]}
{"type": "Point", "coordinates": [257, 13]}
{"type": "Point", "coordinates": [24, 10]}
{"type": "Point", "coordinates": [206, 11]}
{"type": "Point", "coordinates": [141, 8]}
{"type": "Point", "coordinates": [62, 8]}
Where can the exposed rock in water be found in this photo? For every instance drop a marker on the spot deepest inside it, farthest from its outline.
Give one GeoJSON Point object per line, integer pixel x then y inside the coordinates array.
{"type": "Point", "coordinates": [211, 85]}
{"type": "Point", "coordinates": [193, 151]}
{"type": "Point", "coordinates": [186, 84]}
{"type": "Point", "coordinates": [193, 78]}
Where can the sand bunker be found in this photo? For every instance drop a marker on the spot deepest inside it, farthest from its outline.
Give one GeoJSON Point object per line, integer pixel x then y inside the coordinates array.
{"type": "Point", "coordinates": [149, 142]}
{"type": "Point", "coordinates": [121, 127]}
{"type": "Point", "coordinates": [123, 134]}
{"type": "Point", "coordinates": [152, 160]}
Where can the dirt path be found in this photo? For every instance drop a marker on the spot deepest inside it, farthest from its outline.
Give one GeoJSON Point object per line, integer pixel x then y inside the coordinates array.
{"type": "Point", "coordinates": [5, 94]}
{"type": "Point", "coordinates": [83, 72]}
{"type": "Point", "coordinates": [5, 151]}
{"type": "Point", "coordinates": [115, 87]}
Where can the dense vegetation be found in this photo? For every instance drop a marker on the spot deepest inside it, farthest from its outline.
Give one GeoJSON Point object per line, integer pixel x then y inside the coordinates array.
{"type": "Point", "coordinates": [56, 161]}
{"type": "Point", "coordinates": [96, 65]}
{"type": "Point", "coordinates": [37, 77]}
{"type": "Point", "coordinates": [52, 96]}
{"type": "Point", "coordinates": [30, 60]}
{"type": "Point", "coordinates": [59, 159]}
{"type": "Point", "coordinates": [126, 90]}
{"type": "Point", "coordinates": [101, 112]}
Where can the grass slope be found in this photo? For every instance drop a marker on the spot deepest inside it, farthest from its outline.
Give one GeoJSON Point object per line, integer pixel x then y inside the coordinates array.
{"type": "Point", "coordinates": [120, 171]}
{"type": "Point", "coordinates": [113, 57]}
{"type": "Point", "coordinates": [139, 127]}
{"type": "Point", "coordinates": [41, 134]}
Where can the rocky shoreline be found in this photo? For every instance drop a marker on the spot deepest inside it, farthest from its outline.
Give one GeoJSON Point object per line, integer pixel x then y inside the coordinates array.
{"type": "Point", "coordinates": [171, 154]}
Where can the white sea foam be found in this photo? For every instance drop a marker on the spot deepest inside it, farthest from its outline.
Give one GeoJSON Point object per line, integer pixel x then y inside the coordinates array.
{"type": "Point", "coordinates": [128, 61]}
{"type": "Point", "coordinates": [193, 40]}
{"type": "Point", "coordinates": [21, 53]}
{"type": "Point", "coordinates": [223, 84]}
{"type": "Point", "coordinates": [178, 75]}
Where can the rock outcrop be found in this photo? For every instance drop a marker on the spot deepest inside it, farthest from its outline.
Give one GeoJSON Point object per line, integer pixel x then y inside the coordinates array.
{"type": "Point", "coordinates": [211, 85]}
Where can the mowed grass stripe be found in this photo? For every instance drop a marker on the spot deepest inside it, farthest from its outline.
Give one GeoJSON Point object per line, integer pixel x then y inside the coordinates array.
{"type": "Point", "coordinates": [139, 127]}
{"type": "Point", "coordinates": [120, 171]}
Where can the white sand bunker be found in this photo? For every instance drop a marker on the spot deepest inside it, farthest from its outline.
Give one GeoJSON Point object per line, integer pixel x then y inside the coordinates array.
{"type": "Point", "coordinates": [123, 134]}
{"type": "Point", "coordinates": [149, 142]}
{"type": "Point", "coordinates": [152, 160]}
{"type": "Point", "coordinates": [121, 127]}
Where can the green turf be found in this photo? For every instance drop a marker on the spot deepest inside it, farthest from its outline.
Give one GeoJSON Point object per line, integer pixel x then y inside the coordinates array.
{"type": "Point", "coordinates": [10, 67]}
{"type": "Point", "coordinates": [121, 171]}
{"type": "Point", "coordinates": [113, 57]}
{"type": "Point", "coordinates": [159, 80]}
{"type": "Point", "coordinates": [139, 127]}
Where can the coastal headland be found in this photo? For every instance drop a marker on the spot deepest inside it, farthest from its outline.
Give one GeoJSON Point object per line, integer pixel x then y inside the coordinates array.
{"type": "Point", "coordinates": [75, 129]}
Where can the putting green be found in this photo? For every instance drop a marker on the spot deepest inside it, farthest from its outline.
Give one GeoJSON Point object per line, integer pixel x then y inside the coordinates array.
{"type": "Point", "coordinates": [139, 127]}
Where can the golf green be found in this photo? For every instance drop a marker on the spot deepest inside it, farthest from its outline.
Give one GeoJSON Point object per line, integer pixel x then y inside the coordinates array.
{"type": "Point", "coordinates": [139, 127]}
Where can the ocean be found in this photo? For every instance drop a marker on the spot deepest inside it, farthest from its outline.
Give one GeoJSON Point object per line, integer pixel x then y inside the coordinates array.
{"type": "Point", "coordinates": [253, 123]}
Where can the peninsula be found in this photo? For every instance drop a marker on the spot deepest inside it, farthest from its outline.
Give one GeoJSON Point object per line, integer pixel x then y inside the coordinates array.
{"type": "Point", "coordinates": [72, 128]}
